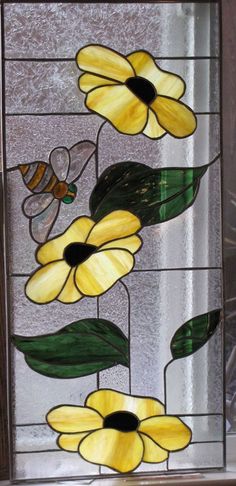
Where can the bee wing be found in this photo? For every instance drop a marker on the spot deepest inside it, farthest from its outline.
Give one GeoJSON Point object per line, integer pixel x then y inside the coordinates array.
{"type": "Point", "coordinates": [36, 203]}
{"type": "Point", "coordinates": [60, 162]}
{"type": "Point", "coordinates": [79, 156]}
{"type": "Point", "coordinates": [41, 225]}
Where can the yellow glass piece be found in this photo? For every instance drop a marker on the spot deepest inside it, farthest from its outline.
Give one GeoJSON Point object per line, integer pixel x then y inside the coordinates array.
{"type": "Point", "coordinates": [102, 270]}
{"type": "Point", "coordinates": [109, 401]}
{"type": "Point", "coordinates": [104, 61]}
{"type": "Point", "coordinates": [131, 243]}
{"type": "Point", "coordinates": [70, 293]}
{"type": "Point", "coordinates": [54, 248]}
{"type": "Point", "coordinates": [175, 117]}
{"type": "Point", "coordinates": [166, 83]}
{"type": "Point", "coordinates": [70, 442]}
{"type": "Point", "coordinates": [153, 129]}
{"type": "Point", "coordinates": [95, 275]}
{"type": "Point", "coordinates": [90, 81]}
{"type": "Point", "coordinates": [121, 107]}
{"type": "Point", "coordinates": [168, 432]}
{"type": "Point", "coordinates": [46, 283]}
{"type": "Point", "coordinates": [152, 452]}
{"type": "Point", "coordinates": [70, 419]}
{"type": "Point", "coordinates": [109, 95]}
{"type": "Point", "coordinates": [115, 225]}
{"type": "Point", "coordinates": [121, 451]}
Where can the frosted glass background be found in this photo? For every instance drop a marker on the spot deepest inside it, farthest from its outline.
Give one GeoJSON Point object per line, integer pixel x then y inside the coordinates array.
{"type": "Point", "coordinates": [53, 86]}
{"type": "Point", "coordinates": [178, 272]}
{"type": "Point", "coordinates": [166, 30]}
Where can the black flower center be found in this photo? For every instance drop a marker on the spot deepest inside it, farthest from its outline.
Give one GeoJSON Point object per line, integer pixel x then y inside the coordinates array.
{"type": "Point", "coordinates": [142, 88]}
{"type": "Point", "coordinates": [76, 253]}
{"type": "Point", "coordinates": [122, 421]}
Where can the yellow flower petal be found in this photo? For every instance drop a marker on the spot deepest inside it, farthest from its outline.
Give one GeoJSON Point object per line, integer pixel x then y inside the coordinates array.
{"type": "Point", "coordinates": [130, 243]}
{"type": "Point", "coordinates": [70, 419]}
{"type": "Point", "coordinates": [114, 226]}
{"type": "Point", "coordinates": [54, 248]}
{"type": "Point", "coordinates": [168, 432]}
{"type": "Point", "coordinates": [90, 81]}
{"type": "Point", "coordinates": [121, 107]}
{"type": "Point", "coordinates": [70, 442]}
{"type": "Point", "coordinates": [104, 61]}
{"type": "Point", "coordinates": [153, 129]}
{"type": "Point", "coordinates": [152, 452]}
{"type": "Point", "coordinates": [166, 83]}
{"type": "Point", "coordinates": [121, 451]}
{"type": "Point", "coordinates": [109, 401]}
{"type": "Point", "coordinates": [102, 270]}
{"type": "Point", "coordinates": [46, 283]}
{"type": "Point", "coordinates": [70, 293]}
{"type": "Point", "coordinates": [175, 117]}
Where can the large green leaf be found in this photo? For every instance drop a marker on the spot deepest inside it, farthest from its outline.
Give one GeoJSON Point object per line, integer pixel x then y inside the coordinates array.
{"type": "Point", "coordinates": [79, 349]}
{"type": "Point", "coordinates": [66, 371]}
{"type": "Point", "coordinates": [193, 334]}
{"type": "Point", "coordinates": [154, 195]}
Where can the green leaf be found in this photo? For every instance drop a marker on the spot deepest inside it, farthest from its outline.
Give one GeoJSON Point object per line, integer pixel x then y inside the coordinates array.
{"type": "Point", "coordinates": [66, 371]}
{"type": "Point", "coordinates": [79, 349]}
{"type": "Point", "coordinates": [154, 195]}
{"type": "Point", "coordinates": [193, 334]}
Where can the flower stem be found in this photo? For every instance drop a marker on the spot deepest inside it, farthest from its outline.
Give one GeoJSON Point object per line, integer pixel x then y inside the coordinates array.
{"type": "Point", "coordinates": [165, 384]}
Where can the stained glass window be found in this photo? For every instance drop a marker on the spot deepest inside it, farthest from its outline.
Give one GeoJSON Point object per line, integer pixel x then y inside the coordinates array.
{"type": "Point", "coordinates": [113, 208]}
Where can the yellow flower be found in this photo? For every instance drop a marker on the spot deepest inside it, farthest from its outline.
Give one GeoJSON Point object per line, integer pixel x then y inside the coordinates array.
{"type": "Point", "coordinates": [86, 260]}
{"type": "Point", "coordinates": [118, 430]}
{"type": "Point", "coordinates": [133, 93]}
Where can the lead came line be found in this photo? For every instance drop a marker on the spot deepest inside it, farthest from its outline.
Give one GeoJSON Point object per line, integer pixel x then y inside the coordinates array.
{"type": "Point", "coordinates": [84, 113]}
{"type": "Point", "coordinates": [38, 451]}
{"type": "Point", "coordinates": [72, 59]}
{"type": "Point", "coordinates": [22, 275]}
{"type": "Point", "coordinates": [175, 269]}
{"type": "Point", "coordinates": [157, 2]}
{"type": "Point", "coordinates": [40, 424]}
{"type": "Point", "coordinates": [129, 332]}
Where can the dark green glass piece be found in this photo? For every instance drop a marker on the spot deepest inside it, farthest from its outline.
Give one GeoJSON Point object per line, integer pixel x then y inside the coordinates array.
{"type": "Point", "coordinates": [193, 334]}
{"type": "Point", "coordinates": [68, 199]}
{"type": "Point", "coordinates": [154, 195]}
{"type": "Point", "coordinates": [67, 371]}
{"type": "Point", "coordinates": [72, 188]}
{"type": "Point", "coordinates": [79, 349]}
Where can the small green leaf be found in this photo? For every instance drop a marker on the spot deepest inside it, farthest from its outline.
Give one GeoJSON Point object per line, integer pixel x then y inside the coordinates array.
{"type": "Point", "coordinates": [193, 334]}
{"type": "Point", "coordinates": [154, 195]}
{"type": "Point", "coordinates": [79, 349]}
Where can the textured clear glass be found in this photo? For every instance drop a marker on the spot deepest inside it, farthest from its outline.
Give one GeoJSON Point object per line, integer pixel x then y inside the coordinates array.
{"type": "Point", "coordinates": [53, 87]}
{"type": "Point", "coordinates": [165, 30]}
{"type": "Point", "coordinates": [177, 273]}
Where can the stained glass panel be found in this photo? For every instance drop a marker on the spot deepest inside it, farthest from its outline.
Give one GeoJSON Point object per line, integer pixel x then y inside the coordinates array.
{"type": "Point", "coordinates": [113, 210]}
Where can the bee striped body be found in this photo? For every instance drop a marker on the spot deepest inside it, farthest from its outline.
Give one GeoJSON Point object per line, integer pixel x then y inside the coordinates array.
{"type": "Point", "coordinates": [38, 177]}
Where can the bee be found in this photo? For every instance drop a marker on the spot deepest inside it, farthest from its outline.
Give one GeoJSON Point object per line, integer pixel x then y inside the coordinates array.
{"type": "Point", "coordinates": [52, 184]}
